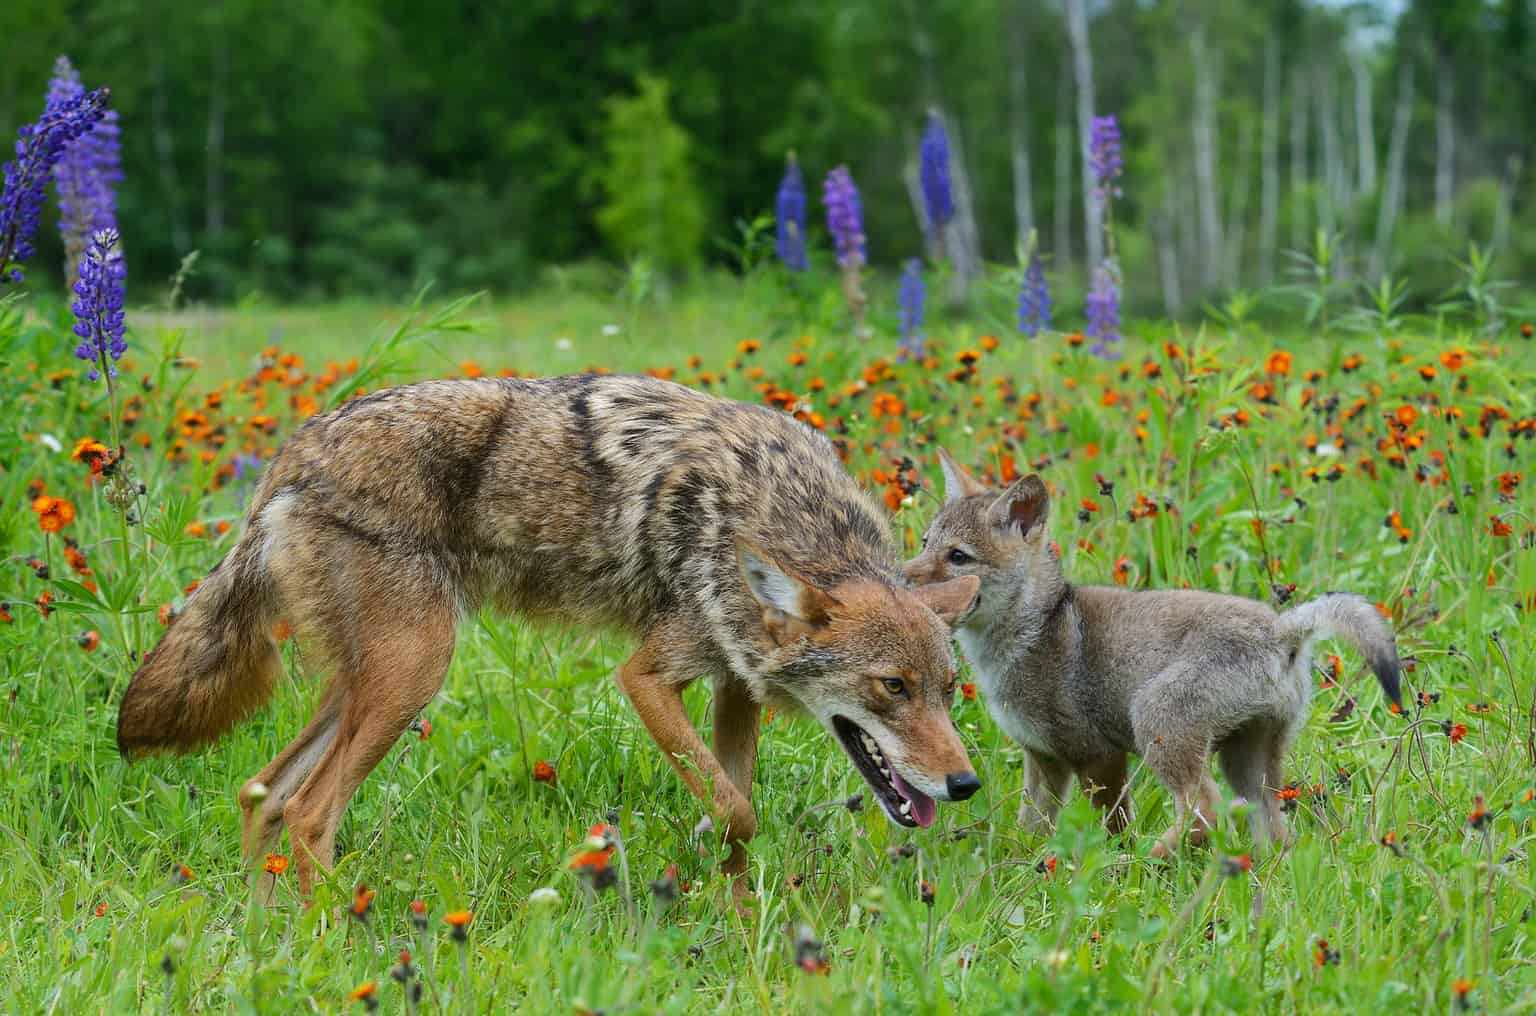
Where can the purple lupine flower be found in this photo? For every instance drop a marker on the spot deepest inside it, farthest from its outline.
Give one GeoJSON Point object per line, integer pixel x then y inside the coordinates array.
{"type": "Point", "coordinates": [1034, 299]}
{"type": "Point", "coordinates": [39, 147]}
{"type": "Point", "coordinates": [789, 215]}
{"type": "Point", "coordinates": [98, 304]}
{"type": "Point", "coordinates": [1104, 156]}
{"type": "Point", "coordinates": [1103, 310]}
{"type": "Point", "coordinates": [85, 177]}
{"type": "Point", "coordinates": [909, 295]}
{"type": "Point", "coordinates": [845, 217]}
{"type": "Point", "coordinates": [933, 173]}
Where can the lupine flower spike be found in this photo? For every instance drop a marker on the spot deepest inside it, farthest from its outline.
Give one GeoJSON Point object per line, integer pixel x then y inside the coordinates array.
{"type": "Point", "coordinates": [1104, 294]}
{"type": "Point", "coordinates": [789, 218]}
{"type": "Point", "coordinates": [933, 174]}
{"type": "Point", "coordinates": [85, 178]}
{"type": "Point", "coordinates": [1034, 295]}
{"type": "Point", "coordinates": [845, 221]}
{"type": "Point", "coordinates": [98, 305]}
{"type": "Point", "coordinates": [39, 147]}
{"type": "Point", "coordinates": [910, 297]}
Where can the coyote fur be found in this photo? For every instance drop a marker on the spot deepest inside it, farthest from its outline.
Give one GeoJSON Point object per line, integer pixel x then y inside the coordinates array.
{"type": "Point", "coordinates": [1083, 675]}
{"type": "Point", "coordinates": [726, 537]}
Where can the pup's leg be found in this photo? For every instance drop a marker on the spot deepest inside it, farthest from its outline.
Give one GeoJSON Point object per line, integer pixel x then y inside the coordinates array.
{"type": "Point", "coordinates": [1173, 734]}
{"type": "Point", "coordinates": [1045, 786]}
{"type": "Point", "coordinates": [653, 679]}
{"type": "Point", "coordinates": [262, 820]}
{"type": "Point", "coordinates": [736, 729]}
{"type": "Point", "coordinates": [404, 644]}
{"type": "Point", "coordinates": [1105, 783]}
{"type": "Point", "coordinates": [1279, 743]}
{"type": "Point", "coordinates": [1244, 758]}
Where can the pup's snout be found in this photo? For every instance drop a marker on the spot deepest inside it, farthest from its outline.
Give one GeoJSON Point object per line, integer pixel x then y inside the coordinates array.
{"type": "Point", "coordinates": [962, 786]}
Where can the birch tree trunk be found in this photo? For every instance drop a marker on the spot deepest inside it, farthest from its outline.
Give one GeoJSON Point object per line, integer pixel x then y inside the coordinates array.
{"type": "Point", "coordinates": [1392, 192]}
{"type": "Point", "coordinates": [1237, 212]}
{"type": "Point", "coordinates": [1204, 133]}
{"type": "Point", "coordinates": [1269, 195]}
{"type": "Point", "coordinates": [1365, 130]}
{"type": "Point", "coordinates": [1445, 140]}
{"type": "Point", "coordinates": [1167, 253]}
{"type": "Point", "coordinates": [1018, 112]}
{"type": "Point", "coordinates": [1333, 170]}
{"type": "Point", "coordinates": [961, 236]}
{"type": "Point", "coordinates": [1301, 104]}
{"type": "Point", "coordinates": [1061, 193]}
{"type": "Point", "coordinates": [1082, 74]}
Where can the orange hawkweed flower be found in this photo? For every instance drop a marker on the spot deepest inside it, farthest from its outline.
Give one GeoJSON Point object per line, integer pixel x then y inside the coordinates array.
{"type": "Point", "coordinates": [1406, 415]}
{"type": "Point", "coordinates": [1236, 865]}
{"type": "Point", "coordinates": [1278, 363]}
{"type": "Point", "coordinates": [968, 691]}
{"type": "Point", "coordinates": [362, 902]}
{"type": "Point", "coordinates": [1479, 816]}
{"type": "Point", "coordinates": [1122, 572]}
{"type": "Point", "coordinates": [53, 513]}
{"type": "Point", "coordinates": [88, 640]}
{"type": "Point", "coordinates": [1428, 373]}
{"type": "Point", "coordinates": [276, 864]}
{"type": "Point", "coordinates": [1453, 359]}
{"type": "Point", "coordinates": [1047, 867]}
{"type": "Point", "coordinates": [1455, 731]}
{"type": "Point", "coordinates": [1461, 986]}
{"type": "Point", "coordinates": [747, 347]}
{"type": "Point", "coordinates": [458, 924]}
{"type": "Point", "coordinates": [364, 993]}
{"type": "Point", "coordinates": [471, 369]}
{"type": "Point", "coordinates": [797, 359]}
{"type": "Point", "coordinates": [543, 772]}
{"type": "Point", "coordinates": [987, 342]}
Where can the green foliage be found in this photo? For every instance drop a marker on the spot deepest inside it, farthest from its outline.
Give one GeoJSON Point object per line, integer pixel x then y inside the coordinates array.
{"type": "Point", "coordinates": [651, 205]}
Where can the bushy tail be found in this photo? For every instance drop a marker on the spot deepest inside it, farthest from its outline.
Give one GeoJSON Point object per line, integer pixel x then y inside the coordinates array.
{"type": "Point", "coordinates": [216, 665]}
{"type": "Point", "coordinates": [1356, 621]}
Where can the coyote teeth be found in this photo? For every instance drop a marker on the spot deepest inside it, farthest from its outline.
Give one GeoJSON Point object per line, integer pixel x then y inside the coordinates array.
{"type": "Point", "coordinates": [906, 808]}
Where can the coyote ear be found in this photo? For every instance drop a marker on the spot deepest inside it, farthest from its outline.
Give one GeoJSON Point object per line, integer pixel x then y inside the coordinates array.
{"type": "Point", "coordinates": [1024, 505]}
{"type": "Point", "coordinates": [792, 607]}
{"type": "Point", "coordinates": [957, 483]}
{"type": "Point", "coordinates": [953, 601]}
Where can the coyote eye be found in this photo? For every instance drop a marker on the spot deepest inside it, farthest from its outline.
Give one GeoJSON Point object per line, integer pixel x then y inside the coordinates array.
{"type": "Point", "coordinates": [894, 685]}
{"type": "Point", "coordinates": [958, 556]}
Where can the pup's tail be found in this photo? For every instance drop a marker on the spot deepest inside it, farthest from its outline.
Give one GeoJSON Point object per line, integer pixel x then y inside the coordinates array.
{"type": "Point", "coordinates": [1356, 621]}
{"type": "Point", "coordinates": [216, 665]}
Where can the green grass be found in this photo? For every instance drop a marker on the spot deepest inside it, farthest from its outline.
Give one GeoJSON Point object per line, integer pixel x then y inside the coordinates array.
{"type": "Point", "coordinates": [457, 820]}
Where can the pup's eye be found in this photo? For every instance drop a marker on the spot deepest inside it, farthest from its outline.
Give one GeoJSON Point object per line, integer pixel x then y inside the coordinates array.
{"type": "Point", "coordinates": [894, 685]}
{"type": "Point", "coordinates": [958, 556]}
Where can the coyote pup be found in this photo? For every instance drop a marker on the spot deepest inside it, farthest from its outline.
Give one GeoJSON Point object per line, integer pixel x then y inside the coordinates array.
{"type": "Point", "coordinates": [1080, 676]}
{"type": "Point", "coordinates": [726, 537]}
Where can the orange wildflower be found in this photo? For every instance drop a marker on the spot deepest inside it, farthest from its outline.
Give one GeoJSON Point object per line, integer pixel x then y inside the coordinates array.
{"type": "Point", "coordinates": [276, 864]}
{"type": "Point", "coordinates": [543, 772]}
{"type": "Point", "coordinates": [968, 691]}
{"type": "Point", "coordinates": [53, 513]}
{"type": "Point", "coordinates": [458, 924]}
{"type": "Point", "coordinates": [1453, 359]}
{"type": "Point", "coordinates": [1278, 363]}
{"type": "Point", "coordinates": [364, 992]}
{"type": "Point", "coordinates": [88, 640]}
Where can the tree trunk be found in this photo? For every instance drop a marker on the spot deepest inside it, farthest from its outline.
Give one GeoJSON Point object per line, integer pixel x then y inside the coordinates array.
{"type": "Point", "coordinates": [1333, 169]}
{"type": "Point", "coordinates": [213, 207]}
{"type": "Point", "coordinates": [1445, 141]}
{"type": "Point", "coordinates": [1018, 112]}
{"type": "Point", "coordinates": [1061, 194]}
{"type": "Point", "coordinates": [1237, 212]}
{"type": "Point", "coordinates": [1392, 191]}
{"type": "Point", "coordinates": [165, 155]}
{"type": "Point", "coordinates": [1082, 74]}
{"type": "Point", "coordinates": [1269, 197]}
{"type": "Point", "coordinates": [1365, 130]}
{"type": "Point", "coordinates": [961, 236]}
{"type": "Point", "coordinates": [1167, 253]}
{"type": "Point", "coordinates": [1301, 103]}
{"type": "Point", "coordinates": [1204, 132]}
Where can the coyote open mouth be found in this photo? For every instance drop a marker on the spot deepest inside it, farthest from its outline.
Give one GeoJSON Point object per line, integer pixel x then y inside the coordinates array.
{"type": "Point", "coordinates": [904, 803]}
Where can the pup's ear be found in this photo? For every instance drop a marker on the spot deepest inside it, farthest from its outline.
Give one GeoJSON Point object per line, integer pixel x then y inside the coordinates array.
{"type": "Point", "coordinates": [957, 483]}
{"type": "Point", "coordinates": [953, 601]}
{"type": "Point", "coordinates": [1024, 505]}
{"type": "Point", "coordinates": [792, 606]}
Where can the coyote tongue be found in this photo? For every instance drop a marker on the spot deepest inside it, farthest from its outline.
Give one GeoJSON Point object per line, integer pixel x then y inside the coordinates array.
{"type": "Point", "coordinates": [923, 808]}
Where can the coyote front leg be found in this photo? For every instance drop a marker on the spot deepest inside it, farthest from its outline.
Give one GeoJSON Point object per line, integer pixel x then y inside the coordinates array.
{"type": "Point", "coordinates": [651, 682]}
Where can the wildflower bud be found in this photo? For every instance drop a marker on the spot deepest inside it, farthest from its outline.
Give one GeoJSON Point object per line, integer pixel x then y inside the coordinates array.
{"type": "Point", "coordinates": [402, 972]}
{"type": "Point", "coordinates": [665, 887]}
{"type": "Point", "coordinates": [419, 915]}
{"type": "Point", "coordinates": [808, 955]}
{"type": "Point", "coordinates": [899, 853]}
{"type": "Point", "coordinates": [167, 965]}
{"type": "Point", "coordinates": [855, 803]}
{"type": "Point", "coordinates": [925, 892]}
{"type": "Point", "coordinates": [1237, 865]}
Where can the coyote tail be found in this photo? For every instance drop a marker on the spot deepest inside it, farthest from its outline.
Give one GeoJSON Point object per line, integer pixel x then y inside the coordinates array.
{"type": "Point", "coordinates": [1353, 619]}
{"type": "Point", "coordinates": [216, 664]}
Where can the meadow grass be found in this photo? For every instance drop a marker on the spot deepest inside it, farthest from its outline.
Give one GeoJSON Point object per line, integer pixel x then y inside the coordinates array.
{"type": "Point", "coordinates": [1397, 893]}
